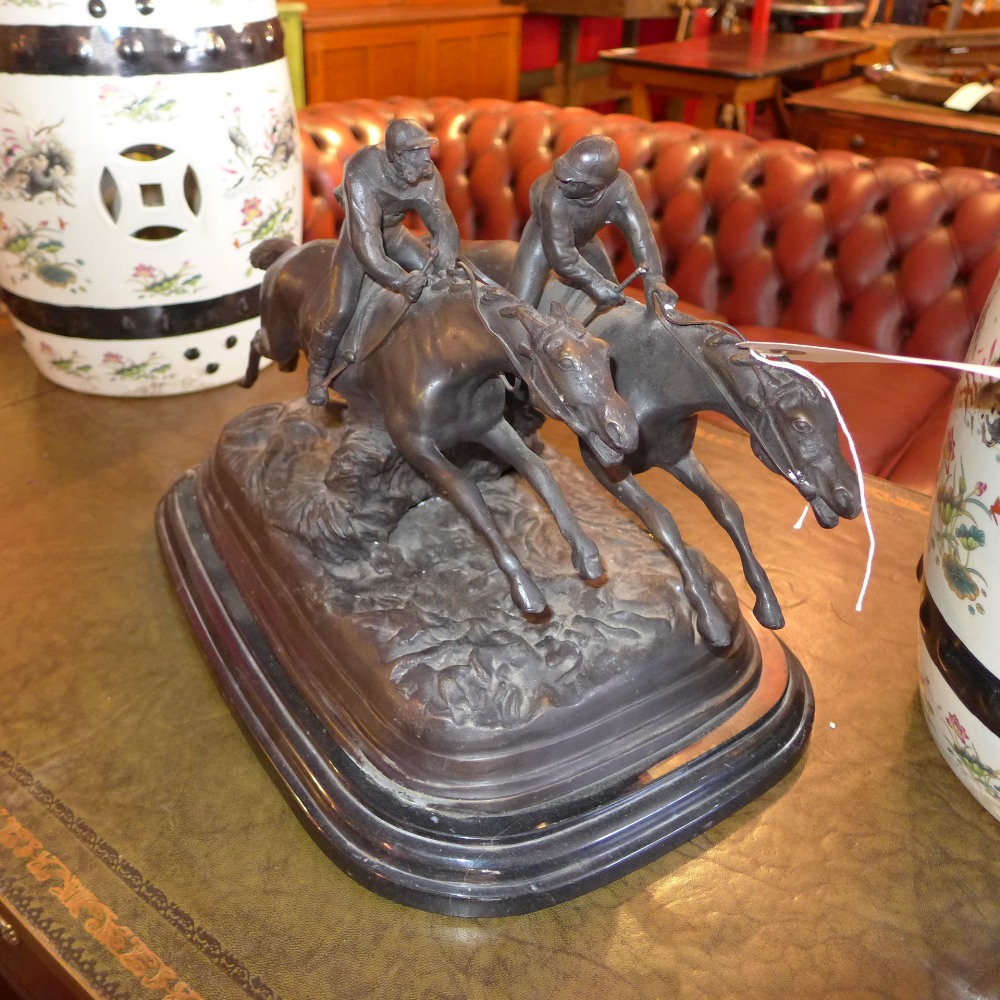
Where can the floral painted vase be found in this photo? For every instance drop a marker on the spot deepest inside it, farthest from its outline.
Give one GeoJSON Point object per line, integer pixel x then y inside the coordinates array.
{"type": "Point", "coordinates": [147, 146]}
{"type": "Point", "coordinates": [960, 612]}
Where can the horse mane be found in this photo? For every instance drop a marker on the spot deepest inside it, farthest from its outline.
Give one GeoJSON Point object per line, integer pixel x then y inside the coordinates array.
{"type": "Point", "coordinates": [545, 332]}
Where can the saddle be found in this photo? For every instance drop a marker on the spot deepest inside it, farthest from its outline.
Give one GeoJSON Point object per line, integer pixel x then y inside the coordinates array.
{"type": "Point", "coordinates": [378, 310]}
{"type": "Point", "coordinates": [376, 316]}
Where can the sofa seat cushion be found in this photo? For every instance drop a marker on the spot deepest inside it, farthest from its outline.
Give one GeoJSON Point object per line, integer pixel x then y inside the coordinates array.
{"type": "Point", "coordinates": [892, 411]}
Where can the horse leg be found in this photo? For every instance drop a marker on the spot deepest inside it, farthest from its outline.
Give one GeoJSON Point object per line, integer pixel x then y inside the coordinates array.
{"type": "Point", "coordinates": [691, 473]}
{"type": "Point", "coordinates": [425, 456]}
{"type": "Point", "coordinates": [253, 361]}
{"type": "Point", "coordinates": [709, 617]}
{"type": "Point", "coordinates": [504, 441]}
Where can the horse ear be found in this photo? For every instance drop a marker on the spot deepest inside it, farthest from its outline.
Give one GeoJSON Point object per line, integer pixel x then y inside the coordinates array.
{"type": "Point", "coordinates": [723, 339]}
{"type": "Point", "coordinates": [562, 315]}
{"type": "Point", "coordinates": [768, 376]}
{"type": "Point", "coordinates": [530, 319]}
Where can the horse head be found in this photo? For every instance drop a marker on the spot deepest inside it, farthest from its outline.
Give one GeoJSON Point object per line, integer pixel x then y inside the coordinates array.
{"type": "Point", "coordinates": [794, 432]}
{"type": "Point", "coordinates": [568, 373]}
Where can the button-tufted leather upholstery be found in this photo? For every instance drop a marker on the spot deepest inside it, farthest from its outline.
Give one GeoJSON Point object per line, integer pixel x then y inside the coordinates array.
{"type": "Point", "coordinates": [784, 242]}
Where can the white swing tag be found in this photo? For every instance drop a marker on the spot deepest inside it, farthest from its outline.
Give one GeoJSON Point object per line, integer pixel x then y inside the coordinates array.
{"type": "Point", "coordinates": [968, 96]}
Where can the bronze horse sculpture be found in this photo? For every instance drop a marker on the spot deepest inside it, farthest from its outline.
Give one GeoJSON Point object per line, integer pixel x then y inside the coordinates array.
{"type": "Point", "coordinates": [792, 426]}
{"type": "Point", "coordinates": [669, 367]}
{"type": "Point", "coordinates": [435, 380]}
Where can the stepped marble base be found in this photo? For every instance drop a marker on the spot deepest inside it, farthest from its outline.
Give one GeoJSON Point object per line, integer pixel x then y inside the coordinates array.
{"type": "Point", "coordinates": [445, 751]}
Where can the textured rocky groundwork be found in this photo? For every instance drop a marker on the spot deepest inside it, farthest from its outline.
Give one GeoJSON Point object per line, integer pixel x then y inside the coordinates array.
{"type": "Point", "coordinates": [371, 547]}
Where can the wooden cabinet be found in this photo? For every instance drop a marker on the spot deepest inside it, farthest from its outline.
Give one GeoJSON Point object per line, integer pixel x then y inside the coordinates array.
{"type": "Point", "coordinates": [860, 117]}
{"type": "Point", "coordinates": [415, 49]}
{"type": "Point", "coordinates": [28, 969]}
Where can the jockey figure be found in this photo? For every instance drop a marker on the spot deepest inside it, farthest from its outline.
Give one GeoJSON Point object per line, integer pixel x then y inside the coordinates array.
{"type": "Point", "coordinates": [381, 185]}
{"type": "Point", "coordinates": [585, 191]}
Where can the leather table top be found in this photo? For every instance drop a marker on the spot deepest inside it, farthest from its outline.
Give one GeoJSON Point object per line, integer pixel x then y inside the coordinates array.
{"type": "Point", "coordinates": [867, 873]}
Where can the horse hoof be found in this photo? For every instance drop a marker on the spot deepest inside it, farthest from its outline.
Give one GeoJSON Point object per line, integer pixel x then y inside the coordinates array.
{"type": "Point", "coordinates": [528, 598]}
{"type": "Point", "coordinates": [714, 631]}
{"type": "Point", "coordinates": [318, 397]}
{"type": "Point", "coordinates": [769, 614]}
{"type": "Point", "coordinates": [588, 563]}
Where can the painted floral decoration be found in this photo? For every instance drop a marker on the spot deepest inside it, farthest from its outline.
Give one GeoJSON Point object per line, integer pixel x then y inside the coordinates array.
{"type": "Point", "coordinates": [44, 4]}
{"type": "Point", "coordinates": [112, 364]}
{"type": "Point", "coordinates": [267, 151]}
{"type": "Point", "coordinates": [39, 250]}
{"type": "Point", "coordinates": [964, 751]}
{"type": "Point", "coordinates": [35, 164]}
{"type": "Point", "coordinates": [260, 223]}
{"type": "Point", "coordinates": [957, 535]}
{"type": "Point", "coordinates": [155, 282]}
{"type": "Point", "coordinates": [149, 106]}
{"type": "Point", "coordinates": [965, 520]}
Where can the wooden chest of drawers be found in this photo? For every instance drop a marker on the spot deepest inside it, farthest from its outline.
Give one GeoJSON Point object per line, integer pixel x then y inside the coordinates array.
{"type": "Point", "coordinates": [858, 116]}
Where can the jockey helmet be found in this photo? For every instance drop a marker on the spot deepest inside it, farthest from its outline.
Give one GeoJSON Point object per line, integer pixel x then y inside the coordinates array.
{"type": "Point", "coordinates": [592, 160]}
{"type": "Point", "coordinates": [403, 134]}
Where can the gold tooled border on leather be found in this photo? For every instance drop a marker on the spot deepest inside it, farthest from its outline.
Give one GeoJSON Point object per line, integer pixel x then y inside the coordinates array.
{"type": "Point", "coordinates": [23, 843]}
{"type": "Point", "coordinates": [74, 950]}
{"type": "Point", "coordinates": [97, 918]}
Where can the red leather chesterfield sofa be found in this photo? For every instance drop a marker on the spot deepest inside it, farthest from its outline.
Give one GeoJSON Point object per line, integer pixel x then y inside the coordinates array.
{"type": "Point", "coordinates": [782, 241]}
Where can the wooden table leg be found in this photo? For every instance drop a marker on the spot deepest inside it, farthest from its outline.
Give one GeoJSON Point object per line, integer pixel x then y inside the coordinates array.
{"type": "Point", "coordinates": [641, 105]}
{"type": "Point", "coordinates": [707, 115]}
{"type": "Point", "coordinates": [782, 120]}
{"type": "Point", "coordinates": [569, 51]}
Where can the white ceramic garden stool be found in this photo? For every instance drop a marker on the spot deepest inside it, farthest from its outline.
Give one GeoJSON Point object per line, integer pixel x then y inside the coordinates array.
{"type": "Point", "coordinates": [147, 146]}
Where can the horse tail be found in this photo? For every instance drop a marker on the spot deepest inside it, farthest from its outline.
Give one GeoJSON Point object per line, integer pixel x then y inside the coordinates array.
{"type": "Point", "coordinates": [267, 252]}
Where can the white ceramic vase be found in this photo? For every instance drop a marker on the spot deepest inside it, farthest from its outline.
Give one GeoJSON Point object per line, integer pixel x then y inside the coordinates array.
{"type": "Point", "coordinates": [960, 614]}
{"type": "Point", "coordinates": [147, 146]}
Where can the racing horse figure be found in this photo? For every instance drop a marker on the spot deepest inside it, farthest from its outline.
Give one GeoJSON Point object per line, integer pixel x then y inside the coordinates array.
{"type": "Point", "coordinates": [433, 377]}
{"type": "Point", "coordinates": [669, 367]}
{"type": "Point", "coordinates": [669, 370]}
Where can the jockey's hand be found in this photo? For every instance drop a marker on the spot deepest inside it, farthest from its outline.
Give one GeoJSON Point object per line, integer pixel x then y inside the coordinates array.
{"type": "Point", "coordinates": [607, 295]}
{"type": "Point", "coordinates": [654, 287]}
{"type": "Point", "coordinates": [413, 285]}
{"type": "Point", "coordinates": [443, 263]}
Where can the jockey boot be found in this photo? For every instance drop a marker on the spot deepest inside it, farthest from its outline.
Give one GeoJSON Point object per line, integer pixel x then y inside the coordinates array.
{"type": "Point", "coordinates": [317, 394]}
{"type": "Point", "coordinates": [321, 358]}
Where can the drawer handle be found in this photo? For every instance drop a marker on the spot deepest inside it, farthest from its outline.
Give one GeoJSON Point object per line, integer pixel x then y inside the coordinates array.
{"type": "Point", "coordinates": [7, 933]}
{"type": "Point", "coordinates": [932, 155]}
{"type": "Point", "coordinates": [857, 142]}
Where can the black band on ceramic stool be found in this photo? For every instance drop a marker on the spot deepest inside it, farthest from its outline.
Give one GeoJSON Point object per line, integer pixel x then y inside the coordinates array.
{"type": "Point", "coordinates": [976, 687]}
{"type": "Point", "coordinates": [137, 323]}
{"type": "Point", "coordinates": [84, 50]}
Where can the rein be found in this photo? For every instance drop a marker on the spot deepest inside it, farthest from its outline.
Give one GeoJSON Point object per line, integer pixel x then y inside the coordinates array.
{"type": "Point", "coordinates": [784, 462]}
{"type": "Point", "coordinates": [548, 395]}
